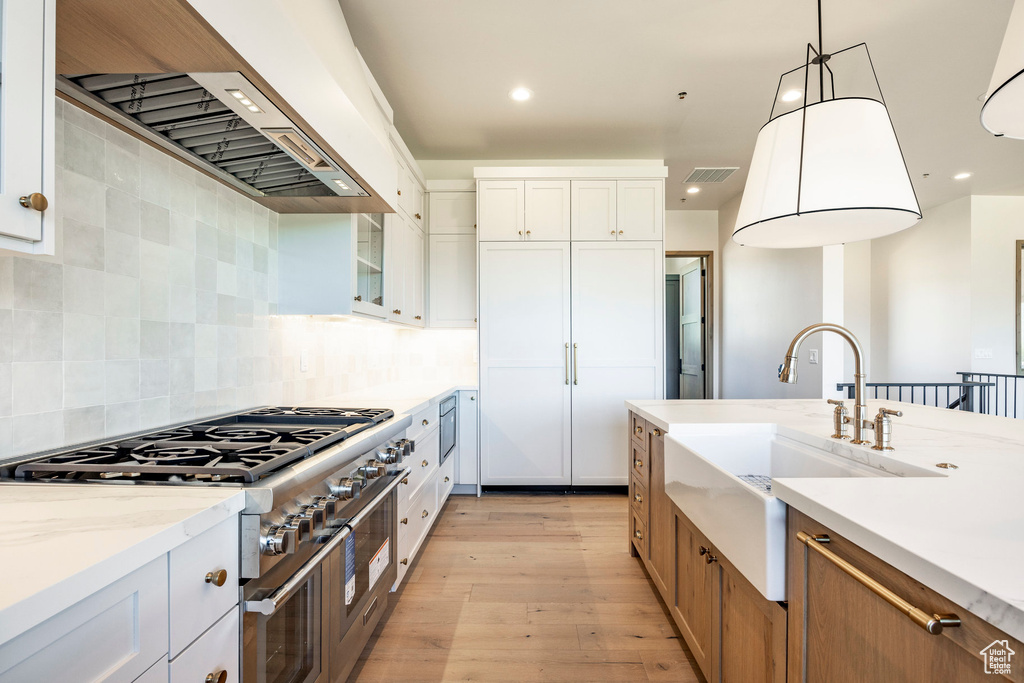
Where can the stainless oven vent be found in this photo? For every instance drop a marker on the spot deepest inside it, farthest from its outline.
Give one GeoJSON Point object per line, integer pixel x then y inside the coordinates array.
{"type": "Point", "coordinates": [221, 122]}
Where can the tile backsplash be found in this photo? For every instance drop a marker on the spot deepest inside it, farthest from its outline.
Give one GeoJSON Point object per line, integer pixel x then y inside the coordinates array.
{"type": "Point", "coordinates": [160, 306]}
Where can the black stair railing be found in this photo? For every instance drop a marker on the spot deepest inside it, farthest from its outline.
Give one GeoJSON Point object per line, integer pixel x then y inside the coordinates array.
{"type": "Point", "coordinates": [966, 395]}
{"type": "Point", "coordinates": [1001, 392]}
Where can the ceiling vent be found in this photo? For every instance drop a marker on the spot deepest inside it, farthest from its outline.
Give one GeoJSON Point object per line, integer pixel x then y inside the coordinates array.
{"type": "Point", "coordinates": [710, 175]}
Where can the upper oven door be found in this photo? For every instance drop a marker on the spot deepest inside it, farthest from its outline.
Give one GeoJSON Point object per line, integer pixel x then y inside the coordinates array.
{"type": "Point", "coordinates": [447, 434]}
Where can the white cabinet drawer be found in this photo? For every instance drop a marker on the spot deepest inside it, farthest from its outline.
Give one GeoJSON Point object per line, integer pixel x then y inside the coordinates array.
{"type": "Point", "coordinates": [445, 480]}
{"type": "Point", "coordinates": [426, 511]}
{"type": "Point", "coordinates": [116, 634]}
{"type": "Point", "coordinates": [423, 461]}
{"type": "Point", "coordinates": [195, 602]}
{"type": "Point", "coordinates": [216, 650]}
{"type": "Point", "coordinates": [157, 673]}
{"type": "Point", "coordinates": [423, 422]}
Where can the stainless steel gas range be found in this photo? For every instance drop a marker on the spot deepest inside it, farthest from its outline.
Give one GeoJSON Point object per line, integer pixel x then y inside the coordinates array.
{"type": "Point", "coordinates": [318, 532]}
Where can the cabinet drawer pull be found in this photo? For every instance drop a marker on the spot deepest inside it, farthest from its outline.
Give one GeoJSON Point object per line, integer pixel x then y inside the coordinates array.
{"type": "Point", "coordinates": [638, 464]}
{"type": "Point", "coordinates": [638, 498]}
{"type": "Point", "coordinates": [638, 534]}
{"type": "Point", "coordinates": [418, 317]}
{"type": "Point", "coordinates": [613, 232]}
{"type": "Point", "coordinates": [418, 217]}
{"type": "Point", "coordinates": [446, 480]}
{"type": "Point", "coordinates": [405, 520]}
{"type": "Point", "coordinates": [217, 578]}
{"type": "Point", "coordinates": [620, 232]}
{"type": "Point", "coordinates": [405, 561]}
{"type": "Point", "coordinates": [425, 514]}
{"type": "Point", "coordinates": [217, 676]}
{"type": "Point", "coordinates": [426, 422]}
{"type": "Point", "coordinates": [406, 480]}
{"type": "Point", "coordinates": [358, 297]}
{"type": "Point", "coordinates": [657, 432]}
{"type": "Point", "coordinates": [425, 463]}
{"type": "Point", "coordinates": [36, 201]}
{"type": "Point", "coordinates": [932, 623]}
{"type": "Point", "coordinates": [708, 557]}
{"type": "Point", "coordinates": [638, 430]}
{"type": "Point", "coordinates": [399, 193]}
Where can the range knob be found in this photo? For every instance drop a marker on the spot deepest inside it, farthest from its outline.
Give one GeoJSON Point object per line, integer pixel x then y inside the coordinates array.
{"type": "Point", "coordinates": [314, 515]}
{"type": "Point", "coordinates": [347, 488]}
{"type": "Point", "coordinates": [392, 455]}
{"type": "Point", "coordinates": [407, 446]}
{"type": "Point", "coordinates": [279, 540]}
{"type": "Point", "coordinates": [328, 504]}
{"type": "Point", "coordinates": [373, 469]}
{"type": "Point", "coordinates": [302, 525]}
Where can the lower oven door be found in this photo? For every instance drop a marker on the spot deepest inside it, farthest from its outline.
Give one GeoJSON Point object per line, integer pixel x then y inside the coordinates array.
{"type": "Point", "coordinates": [361, 575]}
{"type": "Point", "coordinates": [286, 646]}
{"type": "Point", "coordinates": [447, 434]}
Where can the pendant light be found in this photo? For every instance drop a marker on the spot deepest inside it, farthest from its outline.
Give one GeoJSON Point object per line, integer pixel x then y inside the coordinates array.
{"type": "Point", "coordinates": [826, 169]}
{"type": "Point", "coordinates": [1003, 111]}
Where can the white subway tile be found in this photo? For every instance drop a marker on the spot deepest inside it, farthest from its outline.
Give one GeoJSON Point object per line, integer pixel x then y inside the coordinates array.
{"type": "Point", "coordinates": [122, 418]}
{"type": "Point", "coordinates": [123, 338]}
{"type": "Point", "coordinates": [37, 387]}
{"type": "Point", "coordinates": [37, 336]}
{"type": "Point", "coordinates": [84, 383]}
{"type": "Point", "coordinates": [84, 290]}
{"type": "Point", "coordinates": [37, 285]}
{"type": "Point", "coordinates": [84, 424]}
{"type": "Point", "coordinates": [37, 432]}
{"type": "Point", "coordinates": [122, 379]}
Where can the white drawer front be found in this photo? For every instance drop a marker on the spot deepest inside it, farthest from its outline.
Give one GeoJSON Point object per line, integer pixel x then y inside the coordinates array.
{"type": "Point", "coordinates": [424, 461]}
{"type": "Point", "coordinates": [417, 429]}
{"type": "Point", "coordinates": [116, 634]}
{"type": "Point", "coordinates": [216, 650]}
{"type": "Point", "coordinates": [196, 603]}
{"type": "Point", "coordinates": [158, 673]}
{"type": "Point", "coordinates": [445, 480]}
{"type": "Point", "coordinates": [426, 511]}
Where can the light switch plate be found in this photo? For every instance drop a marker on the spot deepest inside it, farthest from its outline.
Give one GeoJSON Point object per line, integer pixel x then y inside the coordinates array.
{"type": "Point", "coordinates": [814, 356]}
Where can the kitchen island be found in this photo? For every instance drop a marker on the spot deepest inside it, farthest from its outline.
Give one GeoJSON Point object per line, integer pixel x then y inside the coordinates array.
{"type": "Point", "coordinates": [959, 534]}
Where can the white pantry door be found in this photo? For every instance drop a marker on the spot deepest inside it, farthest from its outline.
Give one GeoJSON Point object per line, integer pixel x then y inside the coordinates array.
{"type": "Point", "coordinates": [617, 320]}
{"type": "Point", "coordinates": [525, 409]}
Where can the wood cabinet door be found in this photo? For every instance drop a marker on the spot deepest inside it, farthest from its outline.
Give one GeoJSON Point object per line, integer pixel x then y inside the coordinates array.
{"type": "Point", "coordinates": [694, 592]}
{"type": "Point", "coordinates": [453, 213]}
{"type": "Point", "coordinates": [525, 399]}
{"type": "Point", "coordinates": [661, 525]}
{"type": "Point", "coordinates": [752, 647]}
{"type": "Point", "coordinates": [841, 631]}
{"type": "Point", "coordinates": [640, 206]}
{"type": "Point", "coordinates": [501, 210]}
{"type": "Point", "coordinates": [547, 210]}
{"type": "Point", "coordinates": [452, 289]}
{"type": "Point", "coordinates": [617, 317]}
{"type": "Point", "coordinates": [593, 210]}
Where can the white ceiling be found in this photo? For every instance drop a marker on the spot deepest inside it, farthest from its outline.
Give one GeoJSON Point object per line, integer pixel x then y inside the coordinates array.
{"type": "Point", "coordinates": [606, 74]}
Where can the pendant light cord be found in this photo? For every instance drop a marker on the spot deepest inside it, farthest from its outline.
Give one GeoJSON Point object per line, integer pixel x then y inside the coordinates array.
{"type": "Point", "coordinates": [821, 60]}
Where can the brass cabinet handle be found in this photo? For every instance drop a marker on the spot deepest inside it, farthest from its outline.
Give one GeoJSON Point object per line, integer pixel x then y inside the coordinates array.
{"type": "Point", "coordinates": [527, 233]}
{"type": "Point", "coordinates": [613, 232]}
{"type": "Point", "coordinates": [638, 429]}
{"type": "Point", "coordinates": [575, 364]}
{"type": "Point", "coordinates": [399, 193]}
{"type": "Point", "coordinates": [425, 463]}
{"type": "Point", "coordinates": [418, 216]}
{"type": "Point", "coordinates": [36, 201]}
{"type": "Point", "coordinates": [418, 317]}
{"type": "Point", "coordinates": [358, 297]}
{"type": "Point", "coordinates": [446, 480]}
{"type": "Point", "coordinates": [217, 578]}
{"type": "Point", "coordinates": [932, 623]}
{"type": "Point", "coordinates": [620, 232]}
{"type": "Point", "coordinates": [638, 463]}
{"type": "Point", "coordinates": [217, 676]}
{"type": "Point", "coordinates": [426, 422]}
{"type": "Point", "coordinates": [406, 480]}
{"type": "Point", "coordinates": [405, 561]}
{"type": "Point", "coordinates": [566, 362]}
{"type": "Point", "coordinates": [708, 556]}
{"type": "Point", "coordinates": [657, 432]}
{"type": "Point", "coordinates": [425, 514]}
{"type": "Point", "coordinates": [638, 534]}
{"type": "Point", "coordinates": [397, 312]}
{"type": "Point", "coordinates": [638, 498]}
{"type": "Point", "coordinates": [405, 520]}
{"type": "Point", "coordinates": [472, 398]}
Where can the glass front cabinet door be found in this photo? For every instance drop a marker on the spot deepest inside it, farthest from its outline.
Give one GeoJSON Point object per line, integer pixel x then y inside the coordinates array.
{"type": "Point", "coordinates": [369, 264]}
{"type": "Point", "coordinates": [27, 153]}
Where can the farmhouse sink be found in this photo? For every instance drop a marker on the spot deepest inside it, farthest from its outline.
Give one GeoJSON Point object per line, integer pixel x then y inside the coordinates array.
{"type": "Point", "coordinates": [720, 477]}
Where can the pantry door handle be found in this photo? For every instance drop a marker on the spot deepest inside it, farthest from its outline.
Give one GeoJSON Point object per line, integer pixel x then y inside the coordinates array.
{"type": "Point", "coordinates": [932, 623]}
{"type": "Point", "coordinates": [575, 364]}
{"type": "Point", "coordinates": [567, 363]}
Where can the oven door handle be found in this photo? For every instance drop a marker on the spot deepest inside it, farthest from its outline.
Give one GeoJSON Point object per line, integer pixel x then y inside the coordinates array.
{"type": "Point", "coordinates": [267, 606]}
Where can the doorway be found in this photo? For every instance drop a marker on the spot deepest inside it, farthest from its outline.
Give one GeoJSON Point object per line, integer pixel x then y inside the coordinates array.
{"type": "Point", "coordinates": [687, 325]}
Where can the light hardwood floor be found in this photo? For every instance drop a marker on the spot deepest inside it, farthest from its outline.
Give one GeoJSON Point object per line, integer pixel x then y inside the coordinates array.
{"type": "Point", "coordinates": [527, 588]}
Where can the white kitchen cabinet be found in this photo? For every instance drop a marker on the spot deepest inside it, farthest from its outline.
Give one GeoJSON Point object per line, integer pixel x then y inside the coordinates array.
{"type": "Point", "coordinates": [525, 399]}
{"type": "Point", "coordinates": [593, 210]}
{"type": "Point", "coordinates": [466, 470]}
{"type": "Point", "coordinates": [116, 634]}
{"type": "Point", "coordinates": [417, 495]}
{"type": "Point", "coordinates": [406, 268]}
{"type": "Point", "coordinates": [333, 264]}
{"type": "Point", "coordinates": [445, 481]}
{"type": "Point", "coordinates": [547, 210]}
{"type": "Point", "coordinates": [501, 210]}
{"type": "Point", "coordinates": [215, 651]}
{"type": "Point", "coordinates": [640, 209]}
{"type": "Point", "coordinates": [452, 213]}
{"type": "Point", "coordinates": [452, 281]}
{"type": "Point", "coordinates": [27, 152]}
{"type": "Point", "coordinates": [617, 308]}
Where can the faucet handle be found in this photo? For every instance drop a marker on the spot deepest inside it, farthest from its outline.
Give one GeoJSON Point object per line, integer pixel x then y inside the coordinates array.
{"type": "Point", "coordinates": [883, 429]}
{"type": "Point", "coordinates": [834, 402]}
{"type": "Point", "coordinates": [887, 411]}
{"type": "Point", "coordinates": [840, 419]}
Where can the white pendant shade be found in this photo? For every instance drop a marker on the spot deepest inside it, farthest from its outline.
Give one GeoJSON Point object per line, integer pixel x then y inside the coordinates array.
{"type": "Point", "coordinates": [1003, 112]}
{"type": "Point", "coordinates": [853, 186]}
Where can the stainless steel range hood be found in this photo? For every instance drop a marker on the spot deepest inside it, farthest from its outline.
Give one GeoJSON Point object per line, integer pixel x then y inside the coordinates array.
{"type": "Point", "coordinates": [221, 123]}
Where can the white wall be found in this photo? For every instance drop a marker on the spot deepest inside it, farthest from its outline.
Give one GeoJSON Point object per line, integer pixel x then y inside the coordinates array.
{"type": "Point", "coordinates": [768, 295]}
{"type": "Point", "coordinates": [996, 225]}
{"type": "Point", "coordinates": [921, 298]}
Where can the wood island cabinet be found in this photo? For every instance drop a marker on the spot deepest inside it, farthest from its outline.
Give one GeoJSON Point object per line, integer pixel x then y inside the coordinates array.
{"type": "Point", "coordinates": [841, 630]}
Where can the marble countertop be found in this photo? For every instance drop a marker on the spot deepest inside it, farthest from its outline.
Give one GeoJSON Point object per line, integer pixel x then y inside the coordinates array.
{"type": "Point", "coordinates": [62, 543]}
{"type": "Point", "coordinates": [961, 534]}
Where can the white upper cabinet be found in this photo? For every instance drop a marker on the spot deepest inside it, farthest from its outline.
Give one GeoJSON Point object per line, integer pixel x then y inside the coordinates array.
{"type": "Point", "coordinates": [593, 210]}
{"type": "Point", "coordinates": [452, 281]}
{"type": "Point", "coordinates": [502, 210]}
{"type": "Point", "coordinates": [452, 213]}
{"type": "Point", "coordinates": [640, 209]}
{"type": "Point", "coordinates": [547, 210]}
{"type": "Point", "coordinates": [406, 272]}
{"type": "Point", "coordinates": [27, 155]}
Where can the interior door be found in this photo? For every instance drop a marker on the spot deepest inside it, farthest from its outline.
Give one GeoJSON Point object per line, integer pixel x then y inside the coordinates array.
{"type": "Point", "coordinates": [691, 325]}
{"type": "Point", "coordinates": [673, 360]}
{"type": "Point", "coordinates": [525, 416]}
{"type": "Point", "coordinates": [617, 313]}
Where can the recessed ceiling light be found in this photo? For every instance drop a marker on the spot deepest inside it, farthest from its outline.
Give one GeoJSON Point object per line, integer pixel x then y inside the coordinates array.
{"type": "Point", "coordinates": [520, 94]}
{"type": "Point", "coordinates": [791, 95]}
{"type": "Point", "coordinates": [962, 176]}
{"type": "Point", "coordinates": [692, 190]}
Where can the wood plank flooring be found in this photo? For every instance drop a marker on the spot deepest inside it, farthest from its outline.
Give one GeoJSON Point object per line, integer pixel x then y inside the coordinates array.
{"type": "Point", "coordinates": [514, 587]}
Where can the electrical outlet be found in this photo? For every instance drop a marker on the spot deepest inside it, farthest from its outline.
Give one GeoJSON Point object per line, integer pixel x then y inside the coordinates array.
{"type": "Point", "coordinates": [304, 361]}
{"type": "Point", "coordinates": [814, 356]}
